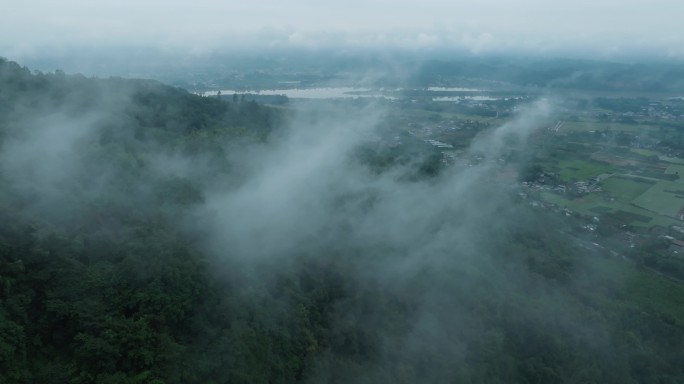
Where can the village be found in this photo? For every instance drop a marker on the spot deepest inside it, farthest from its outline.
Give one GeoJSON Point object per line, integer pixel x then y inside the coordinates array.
{"type": "Point", "coordinates": [612, 172]}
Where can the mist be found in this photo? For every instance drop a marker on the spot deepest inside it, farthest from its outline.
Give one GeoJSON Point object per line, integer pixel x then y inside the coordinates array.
{"type": "Point", "coordinates": [304, 196]}
{"type": "Point", "coordinates": [439, 246]}
{"type": "Point", "coordinates": [149, 232]}
{"type": "Point", "coordinates": [591, 29]}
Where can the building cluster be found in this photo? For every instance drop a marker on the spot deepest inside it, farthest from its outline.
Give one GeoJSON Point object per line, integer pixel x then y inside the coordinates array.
{"type": "Point", "coordinates": [584, 187]}
{"type": "Point", "coordinates": [439, 144]}
{"type": "Point", "coordinates": [654, 110]}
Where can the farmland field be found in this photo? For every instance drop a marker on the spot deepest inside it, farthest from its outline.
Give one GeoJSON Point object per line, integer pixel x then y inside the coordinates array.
{"type": "Point", "coordinates": [645, 152]}
{"type": "Point", "coordinates": [678, 169]}
{"type": "Point", "coordinates": [674, 160]}
{"type": "Point", "coordinates": [665, 197]}
{"type": "Point", "coordinates": [579, 170]}
{"type": "Point", "coordinates": [595, 205]}
{"type": "Point", "coordinates": [626, 189]}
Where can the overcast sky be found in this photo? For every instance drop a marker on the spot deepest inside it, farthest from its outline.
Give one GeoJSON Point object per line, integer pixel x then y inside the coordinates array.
{"type": "Point", "coordinates": [595, 27]}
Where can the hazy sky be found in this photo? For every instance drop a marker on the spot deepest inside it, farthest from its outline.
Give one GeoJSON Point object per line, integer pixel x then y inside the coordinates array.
{"type": "Point", "coordinates": [601, 27]}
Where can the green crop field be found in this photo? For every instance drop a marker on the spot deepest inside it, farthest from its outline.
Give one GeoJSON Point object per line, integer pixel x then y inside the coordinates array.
{"type": "Point", "coordinates": [583, 205]}
{"type": "Point", "coordinates": [579, 170]}
{"type": "Point", "coordinates": [656, 219]}
{"type": "Point", "coordinates": [665, 197]}
{"type": "Point", "coordinates": [577, 126]}
{"type": "Point", "coordinates": [674, 160]}
{"type": "Point", "coordinates": [645, 152]}
{"type": "Point", "coordinates": [625, 189]}
{"type": "Point", "coordinates": [595, 205]}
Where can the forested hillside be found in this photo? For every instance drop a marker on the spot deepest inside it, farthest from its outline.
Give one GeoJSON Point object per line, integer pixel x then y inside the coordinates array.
{"type": "Point", "coordinates": [149, 235]}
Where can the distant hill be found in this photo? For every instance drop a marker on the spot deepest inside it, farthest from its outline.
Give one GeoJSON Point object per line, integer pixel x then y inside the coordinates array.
{"type": "Point", "coordinates": [392, 68]}
{"type": "Point", "coordinates": [557, 74]}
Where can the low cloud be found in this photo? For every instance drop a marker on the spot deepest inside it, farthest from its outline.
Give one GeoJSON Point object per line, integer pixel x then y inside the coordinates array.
{"type": "Point", "coordinates": [607, 29]}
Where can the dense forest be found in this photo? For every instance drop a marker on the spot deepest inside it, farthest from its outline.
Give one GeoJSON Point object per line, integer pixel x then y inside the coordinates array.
{"type": "Point", "coordinates": [149, 235]}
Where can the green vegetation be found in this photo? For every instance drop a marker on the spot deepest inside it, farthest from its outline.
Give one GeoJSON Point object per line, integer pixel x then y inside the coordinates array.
{"type": "Point", "coordinates": [626, 189]}
{"type": "Point", "coordinates": [639, 288]}
{"type": "Point", "coordinates": [107, 276]}
{"type": "Point", "coordinates": [645, 152]}
{"type": "Point", "coordinates": [678, 170]}
{"type": "Point", "coordinates": [560, 74]}
{"type": "Point", "coordinates": [579, 170]}
{"type": "Point", "coordinates": [665, 198]}
{"type": "Point", "coordinates": [674, 160]}
{"type": "Point", "coordinates": [585, 205]}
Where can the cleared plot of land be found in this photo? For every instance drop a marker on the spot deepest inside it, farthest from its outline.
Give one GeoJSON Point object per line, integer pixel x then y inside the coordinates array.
{"type": "Point", "coordinates": [626, 189]}
{"type": "Point", "coordinates": [665, 197]}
